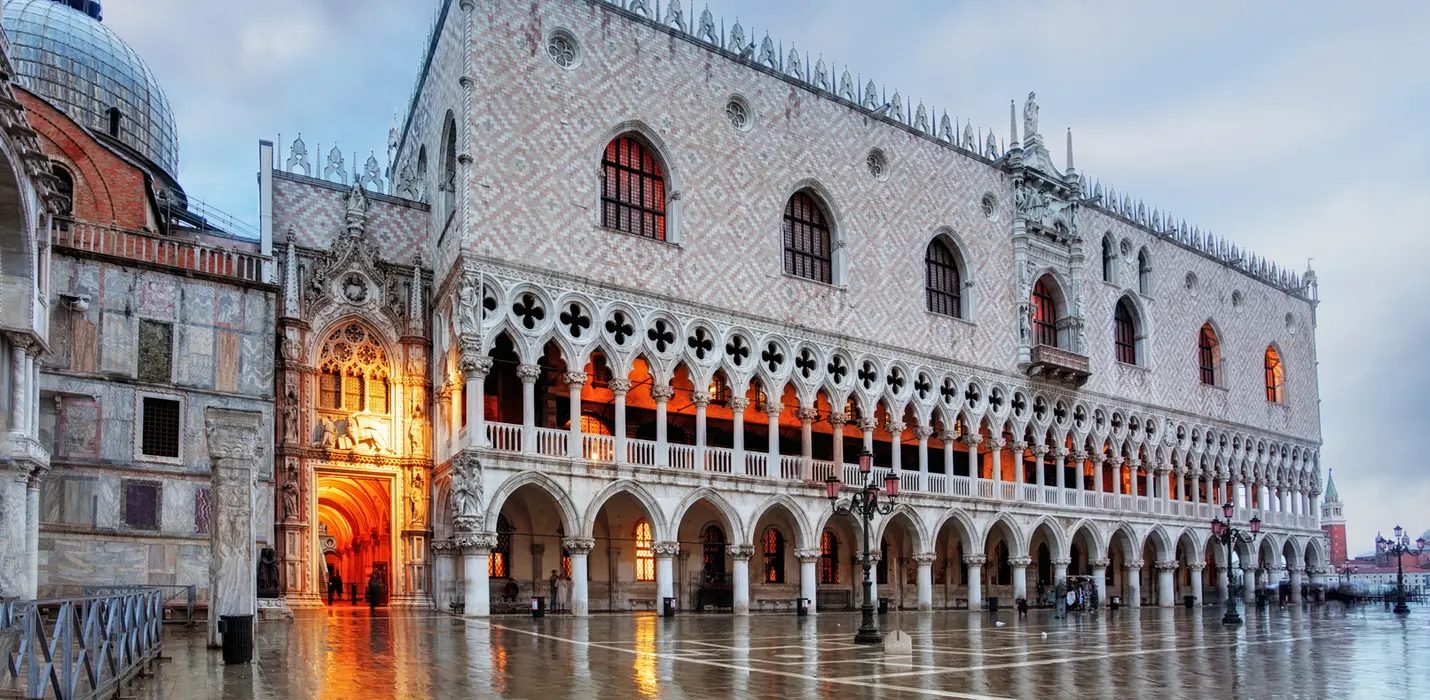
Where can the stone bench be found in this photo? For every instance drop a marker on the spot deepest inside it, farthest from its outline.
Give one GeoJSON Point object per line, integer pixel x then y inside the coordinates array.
{"type": "Point", "coordinates": [775, 604]}
{"type": "Point", "coordinates": [644, 603]}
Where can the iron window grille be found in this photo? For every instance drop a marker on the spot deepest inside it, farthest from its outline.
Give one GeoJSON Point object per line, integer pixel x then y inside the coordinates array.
{"type": "Point", "coordinates": [808, 252]}
{"type": "Point", "coordinates": [632, 189]}
{"type": "Point", "coordinates": [941, 280]}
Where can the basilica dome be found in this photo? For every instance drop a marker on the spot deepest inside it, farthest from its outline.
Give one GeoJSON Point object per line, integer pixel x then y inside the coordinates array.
{"type": "Point", "coordinates": [63, 53]}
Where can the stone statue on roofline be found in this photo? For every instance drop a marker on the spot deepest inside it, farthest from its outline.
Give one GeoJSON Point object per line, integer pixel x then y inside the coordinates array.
{"type": "Point", "coordinates": [1030, 117]}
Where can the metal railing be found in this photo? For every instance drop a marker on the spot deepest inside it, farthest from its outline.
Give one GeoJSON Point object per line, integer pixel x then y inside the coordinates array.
{"type": "Point", "coordinates": [87, 650]}
{"type": "Point", "coordinates": [159, 250]}
{"type": "Point", "coordinates": [189, 594]}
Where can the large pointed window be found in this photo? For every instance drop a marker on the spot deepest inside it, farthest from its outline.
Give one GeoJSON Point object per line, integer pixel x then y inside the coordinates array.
{"type": "Point", "coordinates": [1109, 256]}
{"type": "Point", "coordinates": [773, 544]}
{"type": "Point", "coordinates": [633, 189]}
{"type": "Point", "coordinates": [828, 558]}
{"type": "Point", "coordinates": [1144, 273]}
{"type": "Point", "coordinates": [712, 554]}
{"type": "Point", "coordinates": [1125, 334]}
{"type": "Point", "coordinates": [942, 283]}
{"type": "Point", "coordinates": [1045, 315]}
{"type": "Point", "coordinates": [645, 558]}
{"type": "Point", "coordinates": [808, 249]}
{"type": "Point", "coordinates": [352, 370]}
{"type": "Point", "coordinates": [499, 561]}
{"type": "Point", "coordinates": [449, 166]}
{"type": "Point", "coordinates": [1275, 377]}
{"type": "Point", "coordinates": [1208, 355]}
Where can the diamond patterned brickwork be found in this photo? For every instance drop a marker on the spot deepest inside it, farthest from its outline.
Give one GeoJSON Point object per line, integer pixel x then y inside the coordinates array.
{"type": "Point", "coordinates": [313, 211]}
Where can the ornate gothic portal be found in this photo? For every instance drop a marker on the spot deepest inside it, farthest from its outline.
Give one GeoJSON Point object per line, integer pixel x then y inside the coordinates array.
{"type": "Point", "coordinates": [354, 449]}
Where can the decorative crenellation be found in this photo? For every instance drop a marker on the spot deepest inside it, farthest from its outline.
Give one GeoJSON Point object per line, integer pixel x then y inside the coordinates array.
{"type": "Point", "coordinates": [333, 168]}
{"type": "Point", "coordinates": [1177, 230]}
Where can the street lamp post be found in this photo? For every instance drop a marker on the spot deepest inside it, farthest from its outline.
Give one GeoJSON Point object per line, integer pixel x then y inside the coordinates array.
{"type": "Point", "coordinates": [864, 503]}
{"type": "Point", "coordinates": [1229, 535]}
{"type": "Point", "coordinates": [1396, 547]}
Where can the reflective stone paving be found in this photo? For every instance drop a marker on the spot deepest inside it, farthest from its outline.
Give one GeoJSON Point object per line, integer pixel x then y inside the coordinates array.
{"type": "Point", "coordinates": [1313, 652]}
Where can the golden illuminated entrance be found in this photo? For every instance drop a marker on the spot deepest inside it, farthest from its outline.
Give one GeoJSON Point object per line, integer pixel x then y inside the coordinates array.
{"type": "Point", "coordinates": [355, 530]}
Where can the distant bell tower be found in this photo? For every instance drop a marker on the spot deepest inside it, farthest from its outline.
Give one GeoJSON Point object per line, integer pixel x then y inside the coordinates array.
{"type": "Point", "coordinates": [1333, 521]}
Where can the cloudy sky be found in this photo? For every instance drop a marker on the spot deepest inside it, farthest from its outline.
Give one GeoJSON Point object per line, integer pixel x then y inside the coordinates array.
{"type": "Point", "coordinates": [1298, 129]}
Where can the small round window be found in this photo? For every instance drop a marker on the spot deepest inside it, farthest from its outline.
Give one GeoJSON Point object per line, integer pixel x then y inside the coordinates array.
{"type": "Point", "coordinates": [737, 111]}
{"type": "Point", "coordinates": [989, 205]}
{"type": "Point", "coordinates": [878, 165]}
{"type": "Point", "coordinates": [563, 49]}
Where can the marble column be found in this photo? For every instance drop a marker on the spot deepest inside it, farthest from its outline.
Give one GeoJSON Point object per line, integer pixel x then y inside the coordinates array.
{"type": "Point", "coordinates": [738, 404]}
{"type": "Point", "coordinates": [476, 373]}
{"type": "Point", "coordinates": [1097, 461]}
{"type": "Point", "coordinates": [32, 532]}
{"type": "Point", "coordinates": [1296, 575]}
{"type": "Point", "coordinates": [664, 571]}
{"type": "Point", "coordinates": [995, 450]}
{"type": "Point", "coordinates": [234, 456]}
{"type": "Point", "coordinates": [1167, 583]}
{"type": "Point", "coordinates": [1039, 452]}
{"type": "Point", "coordinates": [1196, 568]}
{"type": "Point", "coordinates": [808, 575]}
{"type": "Point", "coordinates": [947, 437]}
{"type": "Point", "coordinates": [975, 580]}
{"type": "Point", "coordinates": [1248, 583]}
{"type": "Point", "coordinates": [896, 443]}
{"type": "Point", "coordinates": [773, 409]}
{"type": "Point", "coordinates": [924, 564]}
{"type": "Point", "coordinates": [922, 433]}
{"type": "Point", "coordinates": [740, 576]}
{"type": "Point", "coordinates": [13, 481]}
{"type": "Point", "coordinates": [836, 427]}
{"type": "Point", "coordinates": [1080, 459]}
{"type": "Point", "coordinates": [1062, 467]}
{"type": "Point", "coordinates": [476, 549]}
{"type": "Point", "coordinates": [867, 425]}
{"type": "Point", "coordinates": [1060, 570]}
{"type": "Point", "coordinates": [1223, 583]}
{"type": "Point", "coordinates": [661, 394]}
{"type": "Point", "coordinates": [972, 442]}
{"type": "Point", "coordinates": [1098, 568]}
{"type": "Point", "coordinates": [1132, 584]}
{"type": "Point", "coordinates": [574, 382]}
{"type": "Point", "coordinates": [1020, 576]}
{"type": "Point", "coordinates": [528, 375]}
{"type": "Point", "coordinates": [19, 379]}
{"type": "Point", "coordinates": [580, 549]}
{"type": "Point", "coordinates": [620, 387]}
{"type": "Point", "coordinates": [701, 399]}
{"type": "Point", "coordinates": [807, 415]}
{"type": "Point", "coordinates": [1016, 451]}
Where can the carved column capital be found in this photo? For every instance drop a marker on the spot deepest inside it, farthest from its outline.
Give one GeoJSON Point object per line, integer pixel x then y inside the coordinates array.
{"type": "Point", "coordinates": [1098, 563]}
{"type": "Point", "coordinates": [1167, 565]}
{"type": "Point", "coordinates": [806, 556]}
{"type": "Point", "coordinates": [1062, 561]}
{"type": "Point", "coordinates": [700, 398]}
{"type": "Point", "coordinates": [475, 367]}
{"type": "Point", "coordinates": [528, 373]}
{"type": "Point", "coordinates": [948, 436]}
{"type": "Point", "coordinates": [1061, 452]}
{"type": "Point", "coordinates": [997, 443]}
{"type": "Point", "coordinates": [923, 432]}
{"type": "Point", "coordinates": [1196, 566]}
{"type": "Point", "coordinates": [975, 560]}
{"type": "Point", "coordinates": [896, 428]}
{"type": "Point", "coordinates": [740, 552]}
{"type": "Point", "coordinates": [1020, 562]}
{"type": "Point", "coordinates": [868, 424]}
{"type": "Point", "coordinates": [1039, 450]}
{"type": "Point", "coordinates": [837, 418]}
{"type": "Point", "coordinates": [476, 543]}
{"type": "Point", "coordinates": [619, 387]}
{"type": "Point", "coordinates": [1079, 456]}
{"type": "Point", "coordinates": [973, 440]}
{"type": "Point", "coordinates": [1018, 447]}
{"type": "Point", "coordinates": [738, 404]}
{"type": "Point", "coordinates": [665, 550]}
{"type": "Point", "coordinates": [1132, 565]}
{"type": "Point", "coordinates": [773, 408]}
{"type": "Point", "coordinates": [924, 558]}
{"type": "Point", "coordinates": [661, 393]}
{"type": "Point", "coordinates": [578, 545]}
{"type": "Point", "coordinates": [807, 414]}
{"type": "Point", "coordinates": [574, 378]}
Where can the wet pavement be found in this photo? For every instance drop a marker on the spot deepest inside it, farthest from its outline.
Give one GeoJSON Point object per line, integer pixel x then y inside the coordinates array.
{"type": "Point", "coordinates": [1312, 652]}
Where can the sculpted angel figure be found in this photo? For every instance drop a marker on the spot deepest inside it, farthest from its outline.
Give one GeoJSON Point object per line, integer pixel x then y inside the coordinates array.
{"type": "Point", "coordinates": [1030, 117]}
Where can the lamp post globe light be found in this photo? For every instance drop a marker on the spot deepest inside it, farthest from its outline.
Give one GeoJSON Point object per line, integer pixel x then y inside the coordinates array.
{"type": "Point", "coordinates": [864, 504]}
{"type": "Point", "coordinates": [1398, 546]}
{"type": "Point", "coordinates": [1229, 535]}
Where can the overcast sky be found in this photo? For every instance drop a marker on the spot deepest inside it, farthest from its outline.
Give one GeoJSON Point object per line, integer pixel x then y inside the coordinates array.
{"type": "Point", "coordinates": [1298, 129]}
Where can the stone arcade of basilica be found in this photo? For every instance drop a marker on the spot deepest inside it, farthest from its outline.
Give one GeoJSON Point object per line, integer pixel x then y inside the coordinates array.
{"type": "Point", "coordinates": [677, 280]}
{"type": "Point", "coordinates": [633, 287]}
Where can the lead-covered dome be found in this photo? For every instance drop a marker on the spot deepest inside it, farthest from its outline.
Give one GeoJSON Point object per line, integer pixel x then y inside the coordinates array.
{"type": "Point", "coordinates": [74, 62]}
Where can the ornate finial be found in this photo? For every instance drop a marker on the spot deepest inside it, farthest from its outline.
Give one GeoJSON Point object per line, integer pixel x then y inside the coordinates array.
{"type": "Point", "coordinates": [1071, 169]}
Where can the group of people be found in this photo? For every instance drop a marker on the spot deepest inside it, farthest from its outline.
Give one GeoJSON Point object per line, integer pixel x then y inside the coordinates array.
{"type": "Point", "coordinates": [374, 595]}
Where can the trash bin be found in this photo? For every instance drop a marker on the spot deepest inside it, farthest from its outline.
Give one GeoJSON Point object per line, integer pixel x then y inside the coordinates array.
{"type": "Point", "coordinates": [1190, 601]}
{"type": "Point", "coordinates": [538, 606]}
{"type": "Point", "coordinates": [1114, 602]}
{"type": "Point", "coordinates": [237, 631]}
{"type": "Point", "coordinates": [801, 606]}
{"type": "Point", "coordinates": [883, 606]}
{"type": "Point", "coordinates": [669, 607]}
{"type": "Point", "coordinates": [993, 604]}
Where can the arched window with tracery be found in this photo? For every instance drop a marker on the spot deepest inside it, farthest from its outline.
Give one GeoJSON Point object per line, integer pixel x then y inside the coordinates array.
{"type": "Point", "coordinates": [773, 545]}
{"type": "Point", "coordinates": [449, 166]}
{"type": "Point", "coordinates": [1275, 376]}
{"type": "Point", "coordinates": [943, 286]}
{"type": "Point", "coordinates": [645, 558]}
{"type": "Point", "coordinates": [809, 251]}
{"type": "Point", "coordinates": [565, 553]}
{"type": "Point", "coordinates": [352, 372]}
{"type": "Point", "coordinates": [1144, 272]}
{"type": "Point", "coordinates": [828, 557]}
{"type": "Point", "coordinates": [499, 561]}
{"type": "Point", "coordinates": [1045, 315]}
{"type": "Point", "coordinates": [712, 554]}
{"type": "Point", "coordinates": [1125, 333]}
{"type": "Point", "coordinates": [64, 187]}
{"type": "Point", "coordinates": [1109, 256]}
{"type": "Point", "coordinates": [1208, 355]}
{"type": "Point", "coordinates": [633, 188]}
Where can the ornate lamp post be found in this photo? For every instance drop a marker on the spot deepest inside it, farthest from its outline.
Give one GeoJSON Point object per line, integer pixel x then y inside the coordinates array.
{"type": "Point", "coordinates": [1229, 535]}
{"type": "Point", "coordinates": [864, 503]}
{"type": "Point", "coordinates": [1395, 547]}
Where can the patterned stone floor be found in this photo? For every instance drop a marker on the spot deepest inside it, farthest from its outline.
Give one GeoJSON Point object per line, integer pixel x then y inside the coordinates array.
{"type": "Point", "coordinates": [1313, 652]}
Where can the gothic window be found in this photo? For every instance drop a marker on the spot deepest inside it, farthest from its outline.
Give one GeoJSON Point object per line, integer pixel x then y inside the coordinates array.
{"type": "Point", "coordinates": [942, 283]}
{"type": "Point", "coordinates": [645, 559]}
{"type": "Point", "coordinates": [1275, 377]}
{"type": "Point", "coordinates": [422, 173]}
{"type": "Point", "coordinates": [1144, 273]}
{"type": "Point", "coordinates": [828, 558]}
{"type": "Point", "coordinates": [449, 165]}
{"type": "Point", "coordinates": [353, 372]}
{"type": "Point", "coordinates": [1109, 256]}
{"type": "Point", "coordinates": [1208, 355]}
{"type": "Point", "coordinates": [809, 251]}
{"type": "Point", "coordinates": [1045, 565]}
{"type": "Point", "coordinates": [633, 189]}
{"type": "Point", "coordinates": [1005, 570]}
{"type": "Point", "coordinates": [712, 554]}
{"type": "Point", "coordinates": [773, 544]}
{"type": "Point", "coordinates": [64, 186]}
{"type": "Point", "coordinates": [1125, 337]}
{"type": "Point", "coordinates": [1045, 315]}
{"type": "Point", "coordinates": [499, 561]}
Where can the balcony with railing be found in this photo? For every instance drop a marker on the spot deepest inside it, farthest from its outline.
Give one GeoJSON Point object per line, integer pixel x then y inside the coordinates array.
{"type": "Point", "coordinates": [1059, 365]}
{"type": "Point", "coordinates": [142, 247]}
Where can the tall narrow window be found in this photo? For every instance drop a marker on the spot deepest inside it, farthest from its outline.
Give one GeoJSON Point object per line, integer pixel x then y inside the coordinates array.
{"type": "Point", "coordinates": [64, 187]}
{"type": "Point", "coordinates": [645, 558]}
{"type": "Point", "coordinates": [113, 116]}
{"type": "Point", "coordinates": [330, 391]}
{"type": "Point", "coordinates": [499, 561]}
{"type": "Point", "coordinates": [712, 554]}
{"type": "Point", "coordinates": [1109, 256]}
{"type": "Point", "coordinates": [353, 392]}
{"type": "Point", "coordinates": [1144, 273]}
{"type": "Point", "coordinates": [1208, 355]}
{"type": "Point", "coordinates": [449, 165]}
{"type": "Point", "coordinates": [828, 558]}
{"type": "Point", "coordinates": [1275, 377]}
{"type": "Point", "coordinates": [773, 544]}
{"type": "Point", "coordinates": [377, 396]}
{"type": "Point", "coordinates": [1045, 315]}
{"type": "Point", "coordinates": [633, 189]}
{"type": "Point", "coordinates": [942, 284]}
{"type": "Point", "coordinates": [808, 250]}
{"type": "Point", "coordinates": [1126, 333]}
{"type": "Point", "coordinates": [884, 563]}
